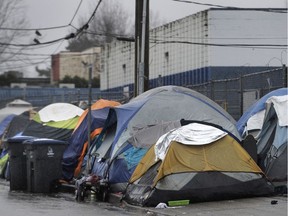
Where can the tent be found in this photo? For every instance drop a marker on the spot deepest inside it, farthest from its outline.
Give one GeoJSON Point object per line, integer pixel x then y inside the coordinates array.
{"type": "Point", "coordinates": [196, 162]}
{"type": "Point", "coordinates": [19, 123]}
{"type": "Point", "coordinates": [3, 152]}
{"type": "Point", "coordinates": [155, 108]}
{"type": "Point", "coordinates": [252, 120]}
{"type": "Point", "coordinates": [5, 123]}
{"type": "Point", "coordinates": [273, 139]}
{"type": "Point", "coordinates": [78, 142]}
{"type": "Point", "coordinates": [9, 127]}
{"type": "Point", "coordinates": [268, 118]}
{"type": "Point", "coordinates": [15, 107]}
{"type": "Point", "coordinates": [54, 121]}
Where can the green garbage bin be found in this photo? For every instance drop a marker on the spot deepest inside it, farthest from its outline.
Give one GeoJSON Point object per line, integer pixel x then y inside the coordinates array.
{"type": "Point", "coordinates": [17, 162]}
{"type": "Point", "coordinates": [44, 164]}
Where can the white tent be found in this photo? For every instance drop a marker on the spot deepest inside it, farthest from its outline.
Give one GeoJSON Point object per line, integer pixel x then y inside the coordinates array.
{"type": "Point", "coordinates": [15, 107]}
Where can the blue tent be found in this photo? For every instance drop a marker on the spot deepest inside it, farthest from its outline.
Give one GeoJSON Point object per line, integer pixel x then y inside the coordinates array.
{"type": "Point", "coordinates": [273, 139]}
{"type": "Point", "coordinates": [5, 123]}
{"type": "Point", "coordinates": [154, 107]}
{"type": "Point", "coordinates": [257, 107]}
{"type": "Point", "coordinates": [77, 140]}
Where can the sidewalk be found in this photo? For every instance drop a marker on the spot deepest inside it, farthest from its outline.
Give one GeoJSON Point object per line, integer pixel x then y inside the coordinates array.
{"type": "Point", "coordinates": [256, 206]}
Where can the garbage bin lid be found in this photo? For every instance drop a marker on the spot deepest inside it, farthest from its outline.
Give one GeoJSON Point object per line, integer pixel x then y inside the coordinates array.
{"type": "Point", "coordinates": [19, 139]}
{"type": "Point", "coordinates": [44, 141]}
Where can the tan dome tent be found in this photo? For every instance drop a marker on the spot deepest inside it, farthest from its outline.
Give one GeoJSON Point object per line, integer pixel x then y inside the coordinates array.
{"type": "Point", "coordinates": [196, 162]}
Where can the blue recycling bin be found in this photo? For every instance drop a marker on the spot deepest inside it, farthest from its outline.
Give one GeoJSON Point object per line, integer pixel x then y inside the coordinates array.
{"type": "Point", "coordinates": [17, 162]}
{"type": "Point", "coordinates": [44, 164]}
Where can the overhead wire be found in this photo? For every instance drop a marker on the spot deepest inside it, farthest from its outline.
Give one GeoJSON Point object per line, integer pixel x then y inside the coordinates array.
{"type": "Point", "coordinates": [33, 29]}
{"type": "Point", "coordinates": [79, 5]}
{"type": "Point", "coordinates": [224, 45]}
{"type": "Point", "coordinates": [232, 7]}
{"type": "Point", "coordinates": [67, 37]}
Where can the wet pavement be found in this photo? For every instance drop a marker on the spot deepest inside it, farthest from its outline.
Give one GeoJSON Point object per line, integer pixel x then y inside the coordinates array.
{"type": "Point", "coordinates": [14, 203]}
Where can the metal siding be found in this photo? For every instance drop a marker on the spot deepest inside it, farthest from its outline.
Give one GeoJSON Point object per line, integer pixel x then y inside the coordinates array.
{"type": "Point", "coordinates": [192, 62]}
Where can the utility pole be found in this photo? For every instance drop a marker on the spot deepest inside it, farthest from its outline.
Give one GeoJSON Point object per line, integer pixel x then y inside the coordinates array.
{"type": "Point", "coordinates": [285, 77]}
{"type": "Point", "coordinates": [141, 80]}
{"type": "Point", "coordinates": [90, 69]}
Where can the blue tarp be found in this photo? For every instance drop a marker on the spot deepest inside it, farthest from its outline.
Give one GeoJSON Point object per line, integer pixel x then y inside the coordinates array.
{"type": "Point", "coordinates": [78, 138]}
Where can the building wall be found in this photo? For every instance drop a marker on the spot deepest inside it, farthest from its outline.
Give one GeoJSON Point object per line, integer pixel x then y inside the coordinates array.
{"type": "Point", "coordinates": [185, 51]}
{"type": "Point", "coordinates": [247, 27]}
{"type": "Point", "coordinates": [72, 64]}
{"type": "Point", "coordinates": [92, 56]}
{"type": "Point", "coordinates": [117, 67]}
{"type": "Point", "coordinates": [55, 65]}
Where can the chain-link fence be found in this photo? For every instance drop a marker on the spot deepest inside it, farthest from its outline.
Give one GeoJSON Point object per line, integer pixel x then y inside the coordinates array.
{"type": "Point", "coordinates": [237, 94]}
{"type": "Point", "coordinates": [234, 95]}
{"type": "Point", "coordinates": [40, 97]}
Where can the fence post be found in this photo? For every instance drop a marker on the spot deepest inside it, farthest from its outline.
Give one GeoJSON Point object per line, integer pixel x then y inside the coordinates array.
{"type": "Point", "coordinates": [241, 95]}
{"type": "Point", "coordinates": [285, 78]}
{"type": "Point", "coordinates": [212, 90]}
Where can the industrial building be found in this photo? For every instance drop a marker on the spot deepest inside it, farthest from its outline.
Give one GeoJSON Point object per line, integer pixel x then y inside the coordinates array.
{"type": "Point", "coordinates": [209, 45]}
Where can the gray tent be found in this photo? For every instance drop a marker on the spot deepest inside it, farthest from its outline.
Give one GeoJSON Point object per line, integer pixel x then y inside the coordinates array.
{"type": "Point", "coordinates": [154, 110]}
{"type": "Point", "coordinates": [272, 140]}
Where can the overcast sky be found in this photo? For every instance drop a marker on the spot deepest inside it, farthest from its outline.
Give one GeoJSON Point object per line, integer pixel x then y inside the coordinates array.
{"type": "Point", "coordinates": [49, 13]}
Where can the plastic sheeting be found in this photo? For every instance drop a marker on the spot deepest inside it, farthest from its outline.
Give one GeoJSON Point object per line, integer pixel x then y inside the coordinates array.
{"type": "Point", "coordinates": [59, 112]}
{"type": "Point", "coordinates": [191, 134]}
{"type": "Point", "coordinates": [281, 107]}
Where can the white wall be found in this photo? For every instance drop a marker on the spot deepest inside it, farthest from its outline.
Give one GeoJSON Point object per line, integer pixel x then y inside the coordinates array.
{"type": "Point", "coordinates": [247, 27]}
{"type": "Point", "coordinates": [174, 48]}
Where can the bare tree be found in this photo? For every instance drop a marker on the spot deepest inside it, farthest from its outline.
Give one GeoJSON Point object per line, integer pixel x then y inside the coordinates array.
{"type": "Point", "coordinates": [12, 20]}
{"type": "Point", "coordinates": [110, 20]}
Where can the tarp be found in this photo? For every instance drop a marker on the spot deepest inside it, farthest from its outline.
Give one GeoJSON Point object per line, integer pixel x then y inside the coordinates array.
{"type": "Point", "coordinates": [78, 143]}
{"type": "Point", "coordinates": [191, 134]}
{"type": "Point", "coordinates": [59, 112]}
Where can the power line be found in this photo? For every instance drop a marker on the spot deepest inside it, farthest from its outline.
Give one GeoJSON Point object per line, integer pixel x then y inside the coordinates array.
{"type": "Point", "coordinates": [229, 7]}
{"type": "Point", "coordinates": [220, 38]}
{"type": "Point", "coordinates": [67, 37]}
{"type": "Point", "coordinates": [76, 12]}
{"type": "Point", "coordinates": [33, 29]}
{"type": "Point", "coordinates": [203, 4]}
{"type": "Point", "coordinates": [224, 45]}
